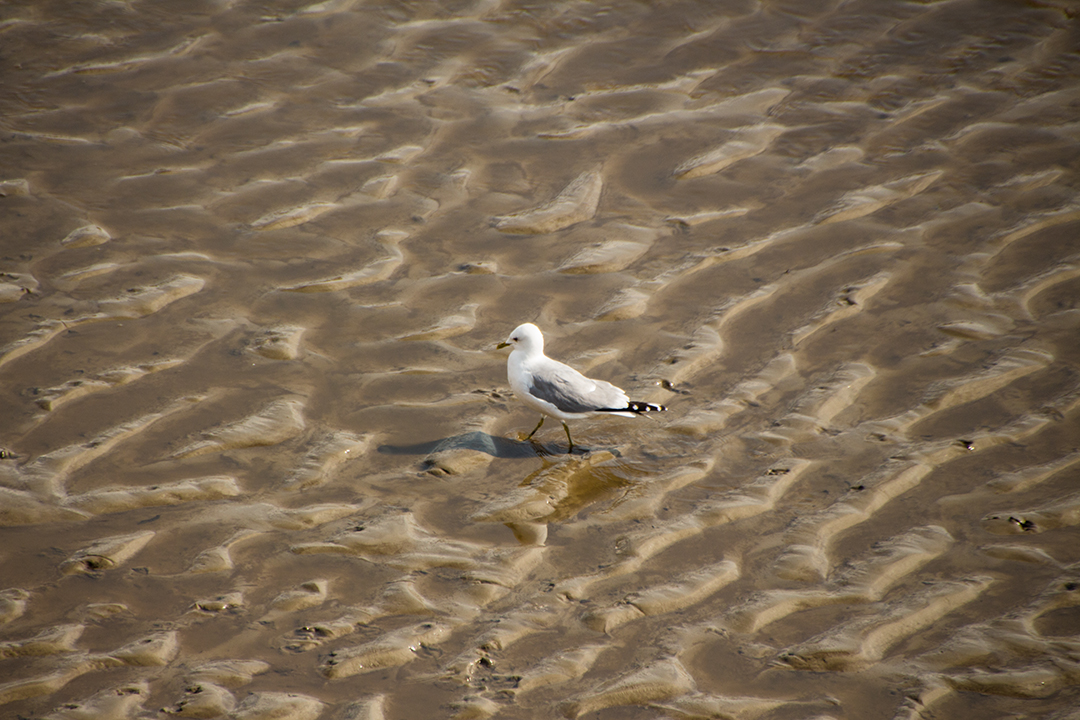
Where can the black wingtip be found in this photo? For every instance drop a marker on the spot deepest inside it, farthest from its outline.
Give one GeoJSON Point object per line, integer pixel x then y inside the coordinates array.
{"type": "Point", "coordinates": [643, 407]}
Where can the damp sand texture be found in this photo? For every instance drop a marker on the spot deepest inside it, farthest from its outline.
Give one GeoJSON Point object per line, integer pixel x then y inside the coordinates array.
{"type": "Point", "coordinates": [260, 458]}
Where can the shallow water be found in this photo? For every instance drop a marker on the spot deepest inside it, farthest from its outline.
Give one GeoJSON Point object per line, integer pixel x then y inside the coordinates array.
{"type": "Point", "coordinates": [261, 459]}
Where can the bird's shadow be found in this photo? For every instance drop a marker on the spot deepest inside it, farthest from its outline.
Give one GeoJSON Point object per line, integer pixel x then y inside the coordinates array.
{"type": "Point", "coordinates": [493, 445]}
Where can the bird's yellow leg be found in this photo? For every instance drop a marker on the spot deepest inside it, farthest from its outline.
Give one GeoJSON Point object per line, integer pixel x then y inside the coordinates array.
{"type": "Point", "coordinates": [567, 429]}
{"type": "Point", "coordinates": [529, 436]}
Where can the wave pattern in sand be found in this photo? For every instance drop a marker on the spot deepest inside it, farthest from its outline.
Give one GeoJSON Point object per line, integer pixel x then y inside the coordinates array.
{"type": "Point", "coordinates": [259, 458]}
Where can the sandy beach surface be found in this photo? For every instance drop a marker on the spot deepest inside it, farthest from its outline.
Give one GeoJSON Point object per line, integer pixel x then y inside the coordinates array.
{"type": "Point", "coordinates": [260, 459]}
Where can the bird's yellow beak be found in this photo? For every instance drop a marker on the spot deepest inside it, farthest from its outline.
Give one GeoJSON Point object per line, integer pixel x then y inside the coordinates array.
{"type": "Point", "coordinates": [501, 345]}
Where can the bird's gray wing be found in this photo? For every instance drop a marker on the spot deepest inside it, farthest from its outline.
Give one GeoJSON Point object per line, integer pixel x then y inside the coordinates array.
{"type": "Point", "coordinates": [572, 392]}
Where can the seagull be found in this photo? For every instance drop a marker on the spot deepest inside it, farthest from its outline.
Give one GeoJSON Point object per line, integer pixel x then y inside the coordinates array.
{"type": "Point", "coordinates": [558, 390]}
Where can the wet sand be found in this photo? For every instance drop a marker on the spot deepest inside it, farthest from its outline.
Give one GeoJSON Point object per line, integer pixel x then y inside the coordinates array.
{"type": "Point", "coordinates": [260, 455]}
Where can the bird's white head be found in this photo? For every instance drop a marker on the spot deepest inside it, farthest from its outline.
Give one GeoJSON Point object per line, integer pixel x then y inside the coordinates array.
{"type": "Point", "coordinates": [526, 337]}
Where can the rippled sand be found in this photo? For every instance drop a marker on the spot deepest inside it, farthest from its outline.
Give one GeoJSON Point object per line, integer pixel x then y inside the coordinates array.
{"type": "Point", "coordinates": [260, 457]}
